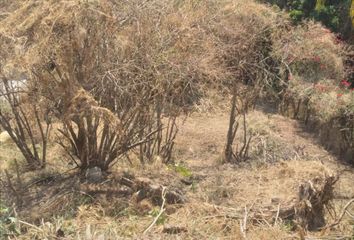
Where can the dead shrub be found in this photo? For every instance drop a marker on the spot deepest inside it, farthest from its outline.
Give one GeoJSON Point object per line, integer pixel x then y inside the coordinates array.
{"type": "Point", "coordinates": [115, 78]}
{"type": "Point", "coordinates": [93, 133]}
{"type": "Point", "coordinates": [247, 46]}
{"type": "Point", "coordinates": [26, 120]}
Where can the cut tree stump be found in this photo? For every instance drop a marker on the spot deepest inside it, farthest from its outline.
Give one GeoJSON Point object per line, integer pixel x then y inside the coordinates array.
{"type": "Point", "coordinates": [307, 210]}
{"type": "Point", "coordinates": [313, 197]}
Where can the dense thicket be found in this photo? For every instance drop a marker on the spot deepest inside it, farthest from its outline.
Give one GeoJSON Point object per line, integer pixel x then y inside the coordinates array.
{"type": "Point", "coordinates": [117, 74]}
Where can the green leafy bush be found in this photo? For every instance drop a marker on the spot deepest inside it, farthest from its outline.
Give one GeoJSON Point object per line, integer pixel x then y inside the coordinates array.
{"type": "Point", "coordinates": [335, 15]}
{"type": "Point", "coordinates": [328, 15]}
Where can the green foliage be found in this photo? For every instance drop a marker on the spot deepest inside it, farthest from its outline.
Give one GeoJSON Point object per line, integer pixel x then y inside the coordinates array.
{"type": "Point", "coordinates": [162, 218]}
{"type": "Point", "coordinates": [8, 223]}
{"type": "Point", "coordinates": [182, 170]}
{"type": "Point", "coordinates": [296, 15]}
{"type": "Point", "coordinates": [289, 225]}
{"type": "Point", "coordinates": [333, 14]}
{"type": "Point", "coordinates": [85, 200]}
{"type": "Point", "coordinates": [328, 15]}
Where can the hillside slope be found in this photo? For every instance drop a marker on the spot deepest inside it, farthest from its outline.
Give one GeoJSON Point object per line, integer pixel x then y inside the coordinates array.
{"type": "Point", "coordinates": [216, 196]}
{"type": "Point", "coordinates": [125, 130]}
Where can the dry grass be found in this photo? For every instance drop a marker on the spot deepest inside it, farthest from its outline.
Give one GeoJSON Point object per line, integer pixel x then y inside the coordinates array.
{"type": "Point", "coordinates": [193, 46]}
{"type": "Point", "coordinates": [8, 153]}
{"type": "Point", "coordinates": [216, 198]}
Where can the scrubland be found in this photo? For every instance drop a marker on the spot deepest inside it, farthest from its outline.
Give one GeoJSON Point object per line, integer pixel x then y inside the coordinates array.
{"type": "Point", "coordinates": [183, 119]}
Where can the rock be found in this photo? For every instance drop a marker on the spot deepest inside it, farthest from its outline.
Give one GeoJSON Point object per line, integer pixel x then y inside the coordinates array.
{"type": "Point", "coordinates": [173, 197]}
{"type": "Point", "coordinates": [187, 181]}
{"type": "Point", "coordinates": [143, 182]}
{"type": "Point", "coordinates": [171, 209]}
{"type": "Point", "coordinates": [94, 175]}
{"type": "Point", "coordinates": [5, 137]}
{"type": "Point", "coordinates": [141, 194]}
{"type": "Point", "coordinates": [173, 229]}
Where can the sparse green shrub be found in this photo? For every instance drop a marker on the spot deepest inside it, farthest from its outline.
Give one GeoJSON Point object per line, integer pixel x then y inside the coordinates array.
{"type": "Point", "coordinates": [328, 16]}
{"type": "Point", "coordinates": [162, 218]}
{"type": "Point", "coordinates": [8, 224]}
{"type": "Point", "coordinates": [182, 170]}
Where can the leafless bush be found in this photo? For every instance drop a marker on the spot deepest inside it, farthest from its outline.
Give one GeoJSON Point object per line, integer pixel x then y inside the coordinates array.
{"type": "Point", "coordinates": [96, 137]}
{"type": "Point", "coordinates": [247, 53]}
{"type": "Point", "coordinates": [92, 133]}
{"type": "Point", "coordinates": [239, 154]}
{"type": "Point", "coordinates": [24, 120]}
{"type": "Point", "coordinates": [243, 98]}
{"type": "Point", "coordinates": [163, 142]}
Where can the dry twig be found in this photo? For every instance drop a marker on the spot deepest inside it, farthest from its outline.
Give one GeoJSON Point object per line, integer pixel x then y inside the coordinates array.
{"type": "Point", "coordinates": [162, 210]}
{"type": "Point", "coordinates": [243, 225]}
{"type": "Point", "coordinates": [335, 223]}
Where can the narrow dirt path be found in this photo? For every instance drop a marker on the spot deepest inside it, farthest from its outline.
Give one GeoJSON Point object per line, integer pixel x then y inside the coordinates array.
{"type": "Point", "coordinates": [200, 145]}
{"type": "Point", "coordinates": [257, 183]}
{"type": "Point", "coordinates": [202, 137]}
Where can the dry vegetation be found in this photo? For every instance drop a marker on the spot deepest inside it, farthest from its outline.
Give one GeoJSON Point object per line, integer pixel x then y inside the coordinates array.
{"type": "Point", "coordinates": [157, 120]}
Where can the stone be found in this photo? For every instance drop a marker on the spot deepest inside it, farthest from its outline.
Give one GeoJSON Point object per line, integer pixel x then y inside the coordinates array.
{"type": "Point", "coordinates": [169, 229]}
{"type": "Point", "coordinates": [5, 137]}
{"type": "Point", "coordinates": [94, 175]}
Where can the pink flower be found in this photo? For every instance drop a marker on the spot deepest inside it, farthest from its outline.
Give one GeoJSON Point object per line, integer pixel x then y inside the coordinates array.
{"type": "Point", "coordinates": [345, 83]}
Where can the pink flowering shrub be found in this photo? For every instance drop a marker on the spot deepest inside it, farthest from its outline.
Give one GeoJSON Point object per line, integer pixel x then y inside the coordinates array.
{"type": "Point", "coordinates": [312, 53]}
